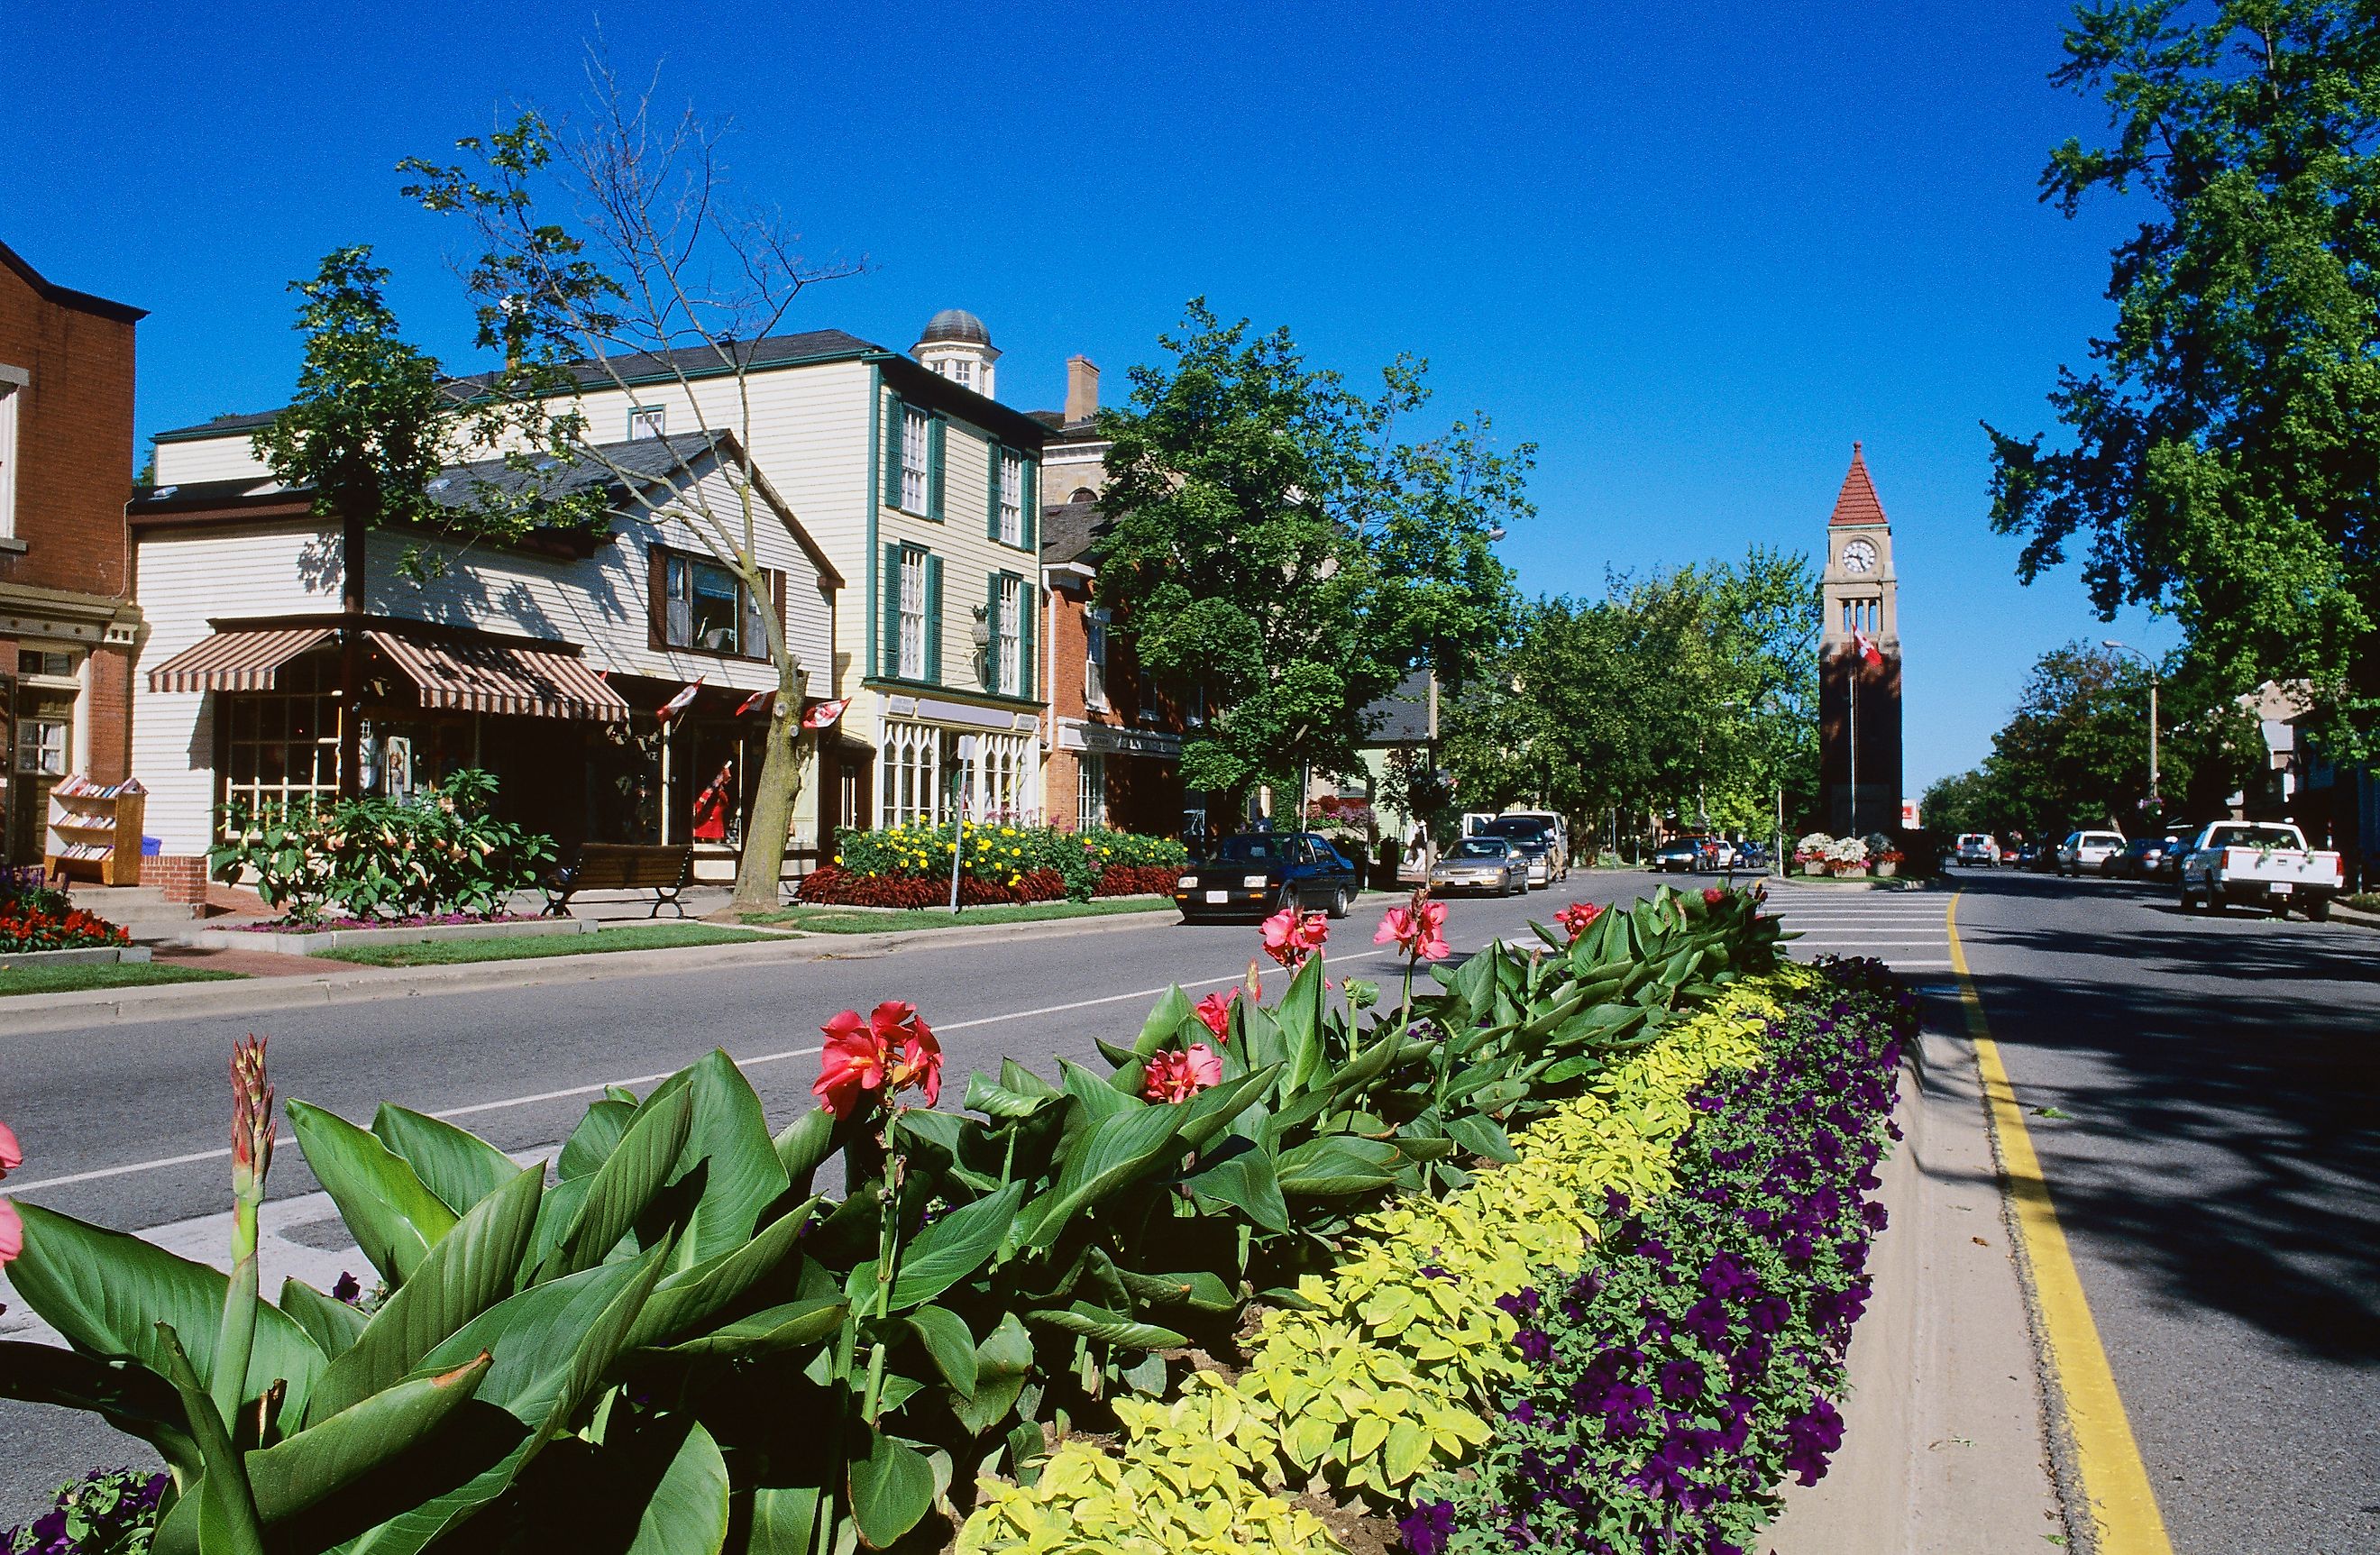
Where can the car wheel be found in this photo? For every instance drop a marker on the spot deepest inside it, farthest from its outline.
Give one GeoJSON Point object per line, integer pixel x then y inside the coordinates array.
{"type": "Point", "coordinates": [1287, 900]}
{"type": "Point", "coordinates": [2189, 901]}
{"type": "Point", "coordinates": [1339, 903]}
{"type": "Point", "coordinates": [2318, 909]}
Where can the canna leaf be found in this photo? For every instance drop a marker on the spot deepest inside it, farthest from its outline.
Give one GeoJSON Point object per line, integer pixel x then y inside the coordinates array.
{"type": "Point", "coordinates": [460, 1168]}
{"type": "Point", "coordinates": [389, 1209]}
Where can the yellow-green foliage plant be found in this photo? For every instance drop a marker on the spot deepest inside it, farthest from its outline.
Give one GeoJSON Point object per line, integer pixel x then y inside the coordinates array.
{"type": "Point", "coordinates": [1373, 1382]}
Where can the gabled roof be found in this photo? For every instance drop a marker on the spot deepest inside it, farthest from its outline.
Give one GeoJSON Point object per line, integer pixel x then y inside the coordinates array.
{"type": "Point", "coordinates": [66, 298]}
{"type": "Point", "coordinates": [1856, 503]}
{"type": "Point", "coordinates": [1069, 532]}
{"type": "Point", "coordinates": [652, 460]}
{"type": "Point", "coordinates": [1399, 718]}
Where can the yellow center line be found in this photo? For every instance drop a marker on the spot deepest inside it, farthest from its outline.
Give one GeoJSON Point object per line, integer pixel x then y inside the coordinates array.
{"type": "Point", "coordinates": [2115, 1481]}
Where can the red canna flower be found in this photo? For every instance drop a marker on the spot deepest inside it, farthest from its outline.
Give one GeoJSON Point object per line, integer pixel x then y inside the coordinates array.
{"type": "Point", "coordinates": [12, 1155]}
{"type": "Point", "coordinates": [1215, 1014]}
{"type": "Point", "coordinates": [1173, 1076]}
{"type": "Point", "coordinates": [1291, 937]}
{"type": "Point", "coordinates": [12, 1226]}
{"type": "Point", "coordinates": [892, 1050]}
{"type": "Point", "coordinates": [1713, 896]}
{"type": "Point", "coordinates": [1417, 929]}
{"type": "Point", "coordinates": [251, 1108]}
{"type": "Point", "coordinates": [1578, 916]}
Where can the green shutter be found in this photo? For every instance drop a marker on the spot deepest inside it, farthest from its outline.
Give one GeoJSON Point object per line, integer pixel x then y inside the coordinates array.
{"type": "Point", "coordinates": [1029, 601]}
{"type": "Point", "coordinates": [991, 619]}
{"type": "Point", "coordinates": [993, 451]}
{"type": "Point", "coordinates": [1032, 501]}
{"type": "Point", "coordinates": [892, 413]}
{"type": "Point", "coordinates": [934, 440]}
{"type": "Point", "coordinates": [933, 618]}
{"type": "Point", "coordinates": [891, 658]}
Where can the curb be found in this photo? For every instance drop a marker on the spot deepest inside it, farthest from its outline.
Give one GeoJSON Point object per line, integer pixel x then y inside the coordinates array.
{"type": "Point", "coordinates": [28, 1014]}
{"type": "Point", "coordinates": [1811, 883]}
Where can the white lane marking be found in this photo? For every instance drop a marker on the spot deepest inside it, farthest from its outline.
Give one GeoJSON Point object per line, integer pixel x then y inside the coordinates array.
{"type": "Point", "coordinates": [287, 1142]}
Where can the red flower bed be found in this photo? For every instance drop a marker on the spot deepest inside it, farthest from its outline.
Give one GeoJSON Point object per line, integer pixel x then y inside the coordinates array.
{"type": "Point", "coordinates": [1137, 880]}
{"type": "Point", "coordinates": [832, 883]}
{"type": "Point", "coordinates": [30, 927]}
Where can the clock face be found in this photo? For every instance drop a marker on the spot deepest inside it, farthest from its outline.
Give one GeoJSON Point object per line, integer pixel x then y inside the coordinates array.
{"type": "Point", "coordinates": [1859, 558]}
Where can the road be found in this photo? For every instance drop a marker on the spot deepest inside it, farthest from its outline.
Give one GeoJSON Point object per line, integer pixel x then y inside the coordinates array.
{"type": "Point", "coordinates": [2202, 1093]}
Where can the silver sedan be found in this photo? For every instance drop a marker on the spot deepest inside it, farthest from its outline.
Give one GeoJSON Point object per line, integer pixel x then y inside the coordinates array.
{"type": "Point", "coordinates": [1487, 865]}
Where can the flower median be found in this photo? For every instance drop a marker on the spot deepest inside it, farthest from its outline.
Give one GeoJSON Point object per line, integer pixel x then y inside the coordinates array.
{"type": "Point", "coordinates": [1373, 1381]}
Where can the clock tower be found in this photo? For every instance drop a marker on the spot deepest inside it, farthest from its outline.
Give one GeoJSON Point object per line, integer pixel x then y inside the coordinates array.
{"type": "Point", "coordinates": [1859, 665]}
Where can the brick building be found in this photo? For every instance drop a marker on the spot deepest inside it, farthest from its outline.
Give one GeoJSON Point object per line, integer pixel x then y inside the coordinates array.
{"type": "Point", "coordinates": [1114, 755]}
{"type": "Point", "coordinates": [67, 629]}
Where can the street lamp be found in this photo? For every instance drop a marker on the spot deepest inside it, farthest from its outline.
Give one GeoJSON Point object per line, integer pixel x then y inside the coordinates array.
{"type": "Point", "coordinates": [2157, 798]}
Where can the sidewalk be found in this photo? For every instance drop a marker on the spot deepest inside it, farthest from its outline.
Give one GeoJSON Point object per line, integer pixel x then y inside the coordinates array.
{"type": "Point", "coordinates": [1944, 1451]}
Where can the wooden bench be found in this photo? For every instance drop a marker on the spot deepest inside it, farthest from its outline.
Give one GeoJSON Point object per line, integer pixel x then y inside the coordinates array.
{"type": "Point", "coordinates": [665, 872]}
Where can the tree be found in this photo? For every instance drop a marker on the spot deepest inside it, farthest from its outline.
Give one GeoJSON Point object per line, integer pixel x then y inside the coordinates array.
{"type": "Point", "coordinates": [1693, 692]}
{"type": "Point", "coordinates": [1270, 540]}
{"type": "Point", "coordinates": [2074, 753]}
{"type": "Point", "coordinates": [2225, 455]}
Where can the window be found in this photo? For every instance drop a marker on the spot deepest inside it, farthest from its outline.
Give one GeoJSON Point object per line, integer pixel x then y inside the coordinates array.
{"type": "Point", "coordinates": [42, 746]}
{"type": "Point", "coordinates": [915, 434]}
{"type": "Point", "coordinates": [909, 780]}
{"type": "Point", "coordinates": [282, 744]}
{"type": "Point", "coordinates": [1090, 791]}
{"type": "Point", "coordinates": [706, 607]}
{"type": "Point", "coordinates": [1008, 670]}
{"type": "Point", "coordinates": [1012, 499]}
{"type": "Point", "coordinates": [958, 369]}
{"type": "Point", "coordinates": [1095, 659]}
{"type": "Point", "coordinates": [48, 663]}
{"type": "Point", "coordinates": [1002, 779]}
{"type": "Point", "coordinates": [647, 420]}
{"type": "Point", "coordinates": [912, 663]}
{"type": "Point", "coordinates": [12, 393]}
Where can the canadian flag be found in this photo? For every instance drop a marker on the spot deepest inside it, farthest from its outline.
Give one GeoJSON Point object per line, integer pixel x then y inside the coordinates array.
{"type": "Point", "coordinates": [680, 702]}
{"type": "Point", "coordinates": [757, 700]}
{"type": "Point", "coordinates": [824, 714]}
{"type": "Point", "coordinates": [1865, 646]}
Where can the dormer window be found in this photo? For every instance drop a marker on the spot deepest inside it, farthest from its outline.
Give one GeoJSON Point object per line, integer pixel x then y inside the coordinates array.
{"type": "Point", "coordinates": [647, 420]}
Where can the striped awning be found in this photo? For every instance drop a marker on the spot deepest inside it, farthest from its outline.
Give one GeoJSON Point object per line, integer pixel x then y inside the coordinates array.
{"type": "Point", "coordinates": [500, 678]}
{"type": "Point", "coordinates": [237, 660]}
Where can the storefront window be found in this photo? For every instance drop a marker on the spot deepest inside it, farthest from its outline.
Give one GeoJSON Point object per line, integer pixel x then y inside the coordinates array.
{"type": "Point", "coordinates": [909, 779]}
{"type": "Point", "coordinates": [706, 606]}
{"type": "Point", "coordinates": [284, 742]}
{"type": "Point", "coordinates": [1090, 791]}
{"type": "Point", "coordinates": [41, 746]}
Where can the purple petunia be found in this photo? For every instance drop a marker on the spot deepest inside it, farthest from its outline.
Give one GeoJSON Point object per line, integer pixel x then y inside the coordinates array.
{"type": "Point", "coordinates": [1428, 1527]}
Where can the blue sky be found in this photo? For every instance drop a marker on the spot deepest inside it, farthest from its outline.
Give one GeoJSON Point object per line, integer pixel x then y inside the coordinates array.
{"type": "Point", "coordinates": [1692, 253]}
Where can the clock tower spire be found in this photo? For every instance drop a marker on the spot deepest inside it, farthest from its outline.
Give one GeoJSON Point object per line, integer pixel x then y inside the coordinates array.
{"type": "Point", "coordinates": [1859, 664]}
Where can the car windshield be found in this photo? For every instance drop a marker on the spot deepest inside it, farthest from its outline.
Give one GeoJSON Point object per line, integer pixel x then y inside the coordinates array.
{"type": "Point", "coordinates": [1254, 850]}
{"type": "Point", "coordinates": [1482, 847]}
{"type": "Point", "coordinates": [2254, 836]}
{"type": "Point", "coordinates": [1525, 828]}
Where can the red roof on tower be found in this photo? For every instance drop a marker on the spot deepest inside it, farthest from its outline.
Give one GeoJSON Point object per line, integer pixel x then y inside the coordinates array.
{"type": "Point", "coordinates": [1856, 503]}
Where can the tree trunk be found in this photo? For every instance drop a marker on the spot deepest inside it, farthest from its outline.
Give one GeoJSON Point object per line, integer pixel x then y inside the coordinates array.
{"type": "Point", "coordinates": [758, 872]}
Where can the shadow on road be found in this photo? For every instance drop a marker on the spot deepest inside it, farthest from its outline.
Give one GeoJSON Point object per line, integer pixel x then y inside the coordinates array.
{"type": "Point", "coordinates": [2222, 1133]}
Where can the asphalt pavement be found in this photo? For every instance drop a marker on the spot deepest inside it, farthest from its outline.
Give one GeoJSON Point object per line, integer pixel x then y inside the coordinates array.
{"type": "Point", "coordinates": [2202, 1092]}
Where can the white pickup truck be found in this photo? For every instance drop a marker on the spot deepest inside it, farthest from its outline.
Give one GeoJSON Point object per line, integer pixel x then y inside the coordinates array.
{"type": "Point", "coordinates": [2260, 863]}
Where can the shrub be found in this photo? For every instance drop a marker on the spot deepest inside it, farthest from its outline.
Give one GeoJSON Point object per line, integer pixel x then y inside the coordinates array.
{"type": "Point", "coordinates": [1660, 1393]}
{"type": "Point", "coordinates": [1008, 859]}
{"type": "Point", "coordinates": [107, 1512]}
{"type": "Point", "coordinates": [440, 852]}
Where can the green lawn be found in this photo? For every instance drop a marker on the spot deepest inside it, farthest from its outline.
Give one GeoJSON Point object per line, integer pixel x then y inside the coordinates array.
{"type": "Point", "coordinates": [443, 953]}
{"type": "Point", "coordinates": [121, 974]}
{"type": "Point", "coordinates": [833, 920]}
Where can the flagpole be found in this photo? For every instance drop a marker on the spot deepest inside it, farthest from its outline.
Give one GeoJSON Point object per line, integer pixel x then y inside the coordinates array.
{"type": "Point", "coordinates": [1859, 663]}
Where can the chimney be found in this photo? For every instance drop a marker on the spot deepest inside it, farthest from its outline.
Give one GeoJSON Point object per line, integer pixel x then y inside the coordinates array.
{"type": "Point", "coordinates": [1082, 389]}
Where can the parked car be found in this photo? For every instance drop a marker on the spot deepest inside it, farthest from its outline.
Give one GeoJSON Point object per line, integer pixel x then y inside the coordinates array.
{"type": "Point", "coordinates": [2150, 858]}
{"type": "Point", "coordinates": [1534, 832]}
{"type": "Point", "coordinates": [1261, 872]}
{"type": "Point", "coordinates": [1681, 856]}
{"type": "Point", "coordinates": [1490, 865]}
{"type": "Point", "coordinates": [1978, 850]}
{"type": "Point", "coordinates": [2260, 863]}
{"type": "Point", "coordinates": [2090, 853]}
{"type": "Point", "coordinates": [2027, 856]}
{"type": "Point", "coordinates": [1751, 855]}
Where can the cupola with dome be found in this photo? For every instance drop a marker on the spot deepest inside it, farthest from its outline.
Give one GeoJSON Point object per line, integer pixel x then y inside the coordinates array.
{"type": "Point", "coordinates": [957, 345]}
